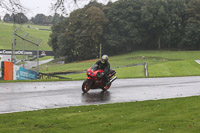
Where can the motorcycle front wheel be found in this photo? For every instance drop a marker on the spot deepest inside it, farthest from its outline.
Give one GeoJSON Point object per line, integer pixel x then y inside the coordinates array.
{"type": "Point", "coordinates": [105, 88]}
{"type": "Point", "coordinates": [85, 86]}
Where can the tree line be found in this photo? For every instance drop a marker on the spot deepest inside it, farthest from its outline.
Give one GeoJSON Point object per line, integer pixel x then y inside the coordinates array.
{"type": "Point", "coordinates": [39, 19]}
{"type": "Point", "coordinates": [127, 25]}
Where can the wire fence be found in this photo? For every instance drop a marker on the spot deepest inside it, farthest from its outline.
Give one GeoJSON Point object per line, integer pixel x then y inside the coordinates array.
{"type": "Point", "coordinates": [25, 48]}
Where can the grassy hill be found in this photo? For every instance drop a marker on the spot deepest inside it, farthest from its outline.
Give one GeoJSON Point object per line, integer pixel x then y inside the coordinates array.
{"type": "Point", "coordinates": [6, 34]}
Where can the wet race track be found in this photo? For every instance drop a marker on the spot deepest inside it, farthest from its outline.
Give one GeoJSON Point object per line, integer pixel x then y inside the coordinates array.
{"type": "Point", "coordinates": [15, 97]}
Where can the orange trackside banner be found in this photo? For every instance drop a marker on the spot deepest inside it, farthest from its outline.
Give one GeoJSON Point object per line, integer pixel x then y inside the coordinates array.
{"type": "Point", "coordinates": [8, 70]}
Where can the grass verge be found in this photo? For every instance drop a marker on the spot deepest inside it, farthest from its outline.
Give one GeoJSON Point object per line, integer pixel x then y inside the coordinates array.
{"type": "Point", "coordinates": [160, 64]}
{"type": "Point", "coordinates": [41, 80]}
{"type": "Point", "coordinates": [7, 29]}
{"type": "Point", "coordinates": [171, 115]}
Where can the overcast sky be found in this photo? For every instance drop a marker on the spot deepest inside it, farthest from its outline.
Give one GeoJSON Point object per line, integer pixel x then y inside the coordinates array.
{"type": "Point", "coordinates": [43, 6]}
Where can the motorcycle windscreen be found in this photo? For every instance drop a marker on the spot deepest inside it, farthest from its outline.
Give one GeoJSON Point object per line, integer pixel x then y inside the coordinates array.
{"type": "Point", "coordinates": [94, 67]}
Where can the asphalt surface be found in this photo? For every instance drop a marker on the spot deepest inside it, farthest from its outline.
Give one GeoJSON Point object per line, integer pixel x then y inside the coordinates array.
{"type": "Point", "coordinates": [31, 64]}
{"type": "Point", "coordinates": [16, 97]}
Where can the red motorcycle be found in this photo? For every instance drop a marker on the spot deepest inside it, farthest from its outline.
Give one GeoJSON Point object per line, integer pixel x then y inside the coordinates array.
{"type": "Point", "coordinates": [95, 81]}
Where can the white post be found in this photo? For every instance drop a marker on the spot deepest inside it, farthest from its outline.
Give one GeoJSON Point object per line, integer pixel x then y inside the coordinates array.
{"type": "Point", "coordinates": [146, 69]}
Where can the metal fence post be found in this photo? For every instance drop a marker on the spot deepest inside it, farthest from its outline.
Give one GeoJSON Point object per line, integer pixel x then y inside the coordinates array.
{"type": "Point", "coordinates": [146, 70]}
{"type": "Point", "coordinates": [23, 48]}
{"type": "Point", "coordinates": [13, 47]}
{"type": "Point", "coordinates": [38, 56]}
{"type": "Point", "coordinates": [25, 39]}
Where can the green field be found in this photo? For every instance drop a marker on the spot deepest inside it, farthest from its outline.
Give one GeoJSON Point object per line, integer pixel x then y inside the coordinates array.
{"type": "Point", "coordinates": [180, 115]}
{"type": "Point", "coordinates": [6, 34]}
{"type": "Point", "coordinates": [160, 64]}
{"type": "Point", "coordinates": [172, 115]}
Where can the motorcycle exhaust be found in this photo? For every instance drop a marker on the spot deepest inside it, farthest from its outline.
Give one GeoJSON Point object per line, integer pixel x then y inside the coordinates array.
{"type": "Point", "coordinates": [113, 79]}
{"type": "Point", "coordinates": [113, 73]}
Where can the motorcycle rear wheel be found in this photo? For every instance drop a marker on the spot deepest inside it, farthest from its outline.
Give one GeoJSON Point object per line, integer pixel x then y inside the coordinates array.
{"type": "Point", "coordinates": [85, 86]}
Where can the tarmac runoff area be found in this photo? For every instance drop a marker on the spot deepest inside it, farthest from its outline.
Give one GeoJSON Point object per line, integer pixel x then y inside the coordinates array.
{"type": "Point", "coordinates": [27, 96]}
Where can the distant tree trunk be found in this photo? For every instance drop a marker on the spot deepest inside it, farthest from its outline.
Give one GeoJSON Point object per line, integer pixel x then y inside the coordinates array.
{"type": "Point", "coordinates": [159, 46]}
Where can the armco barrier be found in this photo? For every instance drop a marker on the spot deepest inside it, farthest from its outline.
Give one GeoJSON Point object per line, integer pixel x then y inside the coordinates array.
{"type": "Point", "coordinates": [50, 76]}
{"type": "Point", "coordinates": [14, 72]}
{"type": "Point", "coordinates": [20, 73]}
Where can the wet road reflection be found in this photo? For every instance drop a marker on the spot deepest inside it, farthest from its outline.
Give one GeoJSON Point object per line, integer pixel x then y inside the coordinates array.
{"type": "Point", "coordinates": [15, 97]}
{"type": "Point", "coordinates": [92, 97]}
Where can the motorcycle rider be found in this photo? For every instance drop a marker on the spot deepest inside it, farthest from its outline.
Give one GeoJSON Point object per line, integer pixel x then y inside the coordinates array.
{"type": "Point", "coordinates": [104, 65]}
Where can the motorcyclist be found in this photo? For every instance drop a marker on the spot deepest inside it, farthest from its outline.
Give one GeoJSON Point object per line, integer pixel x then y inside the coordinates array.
{"type": "Point", "coordinates": [104, 65]}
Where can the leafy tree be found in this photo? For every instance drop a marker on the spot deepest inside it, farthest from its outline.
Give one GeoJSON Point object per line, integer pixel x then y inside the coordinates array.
{"type": "Point", "coordinates": [83, 33]}
{"type": "Point", "coordinates": [40, 19]}
{"type": "Point", "coordinates": [176, 10]}
{"type": "Point", "coordinates": [56, 18]}
{"type": "Point", "coordinates": [7, 18]}
{"type": "Point", "coordinates": [19, 18]}
{"type": "Point", "coordinates": [46, 20]}
{"type": "Point", "coordinates": [156, 19]}
{"type": "Point", "coordinates": [122, 33]}
{"type": "Point", "coordinates": [128, 25]}
{"type": "Point", "coordinates": [193, 11]}
{"type": "Point", "coordinates": [86, 30]}
{"type": "Point", "coordinates": [191, 39]}
{"type": "Point", "coordinates": [57, 30]}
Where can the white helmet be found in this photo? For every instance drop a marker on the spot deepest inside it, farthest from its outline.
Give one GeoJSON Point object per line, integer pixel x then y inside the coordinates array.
{"type": "Point", "coordinates": [104, 58]}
